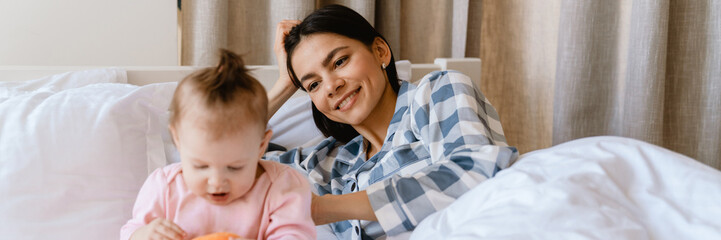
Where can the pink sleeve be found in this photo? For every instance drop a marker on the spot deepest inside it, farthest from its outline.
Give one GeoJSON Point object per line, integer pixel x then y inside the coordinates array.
{"type": "Point", "coordinates": [149, 205]}
{"type": "Point", "coordinates": [290, 209]}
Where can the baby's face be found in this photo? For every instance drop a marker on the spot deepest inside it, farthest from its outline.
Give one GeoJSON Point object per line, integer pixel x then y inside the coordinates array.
{"type": "Point", "coordinates": [220, 170]}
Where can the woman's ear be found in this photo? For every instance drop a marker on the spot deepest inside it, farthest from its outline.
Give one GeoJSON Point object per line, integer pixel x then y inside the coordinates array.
{"type": "Point", "coordinates": [381, 50]}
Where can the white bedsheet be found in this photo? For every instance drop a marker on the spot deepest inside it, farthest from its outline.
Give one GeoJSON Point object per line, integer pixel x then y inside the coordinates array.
{"type": "Point", "coordinates": [592, 188]}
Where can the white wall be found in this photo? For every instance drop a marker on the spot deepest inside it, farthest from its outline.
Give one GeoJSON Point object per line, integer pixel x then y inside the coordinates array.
{"type": "Point", "coordinates": [88, 32]}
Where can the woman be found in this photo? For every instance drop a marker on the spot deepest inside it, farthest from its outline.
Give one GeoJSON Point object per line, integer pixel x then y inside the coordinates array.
{"type": "Point", "coordinates": [396, 152]}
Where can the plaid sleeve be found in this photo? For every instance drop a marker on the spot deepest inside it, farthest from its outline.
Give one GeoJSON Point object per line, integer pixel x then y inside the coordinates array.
{"type": "Point", "coordinates": [316, 163]}
{"type": "Point", "coordinates": [463, 135]}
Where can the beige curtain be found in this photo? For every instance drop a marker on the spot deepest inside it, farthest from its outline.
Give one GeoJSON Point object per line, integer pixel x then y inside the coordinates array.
{"type": "Point", "coordinates": [649, 70]}
{"type": "Point", "coordinates": [248, 26]}
{"type": "Point", "coordinates": [556, 70]}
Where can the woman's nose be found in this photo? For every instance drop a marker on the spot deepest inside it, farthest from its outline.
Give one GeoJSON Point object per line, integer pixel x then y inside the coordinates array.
{"type": "Point", "coordinates": [334, 85]}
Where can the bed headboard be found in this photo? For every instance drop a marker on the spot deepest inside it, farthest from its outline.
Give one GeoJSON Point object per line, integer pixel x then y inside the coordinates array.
{"type": "Point", "coordinates": [266, 74]}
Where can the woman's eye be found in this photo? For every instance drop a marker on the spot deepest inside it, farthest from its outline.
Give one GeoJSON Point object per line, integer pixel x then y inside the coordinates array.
{"type": "Point", "coordinates": [312, 86]}
{"type": "Point", "coordinates": [340, 61]}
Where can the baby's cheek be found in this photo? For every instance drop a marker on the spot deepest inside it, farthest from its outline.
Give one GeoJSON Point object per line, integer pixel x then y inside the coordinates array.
{"type": "Point", "coordinates": [243, 186]}
{"type": "Point", "coordinates": [194, 184]}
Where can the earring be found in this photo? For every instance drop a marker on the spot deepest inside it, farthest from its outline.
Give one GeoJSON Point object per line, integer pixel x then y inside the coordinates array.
{"type": "Point", "coordinates": [383, 66]}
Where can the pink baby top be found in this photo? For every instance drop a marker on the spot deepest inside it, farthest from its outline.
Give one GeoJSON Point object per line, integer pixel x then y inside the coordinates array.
{"type": "Point", "coordinates": [276, 207]}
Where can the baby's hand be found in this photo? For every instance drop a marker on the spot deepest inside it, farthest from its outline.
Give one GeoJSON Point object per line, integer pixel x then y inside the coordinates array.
{"type": "Point", "coordinates": [159, 229]}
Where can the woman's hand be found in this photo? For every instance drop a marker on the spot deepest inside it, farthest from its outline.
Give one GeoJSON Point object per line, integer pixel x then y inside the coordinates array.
{"type": "Point", "coordinates": [333, 208]}
{"type": "Point", "coordinates": [159, 229]}
{"type": "Point", "coordinates": [283, 88]}
{"type": "Point", "coordinates": [281, 32]}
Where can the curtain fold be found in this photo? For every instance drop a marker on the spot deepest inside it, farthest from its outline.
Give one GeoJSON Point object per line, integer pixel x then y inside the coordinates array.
{"type": "Point", "coordinates": [586, 70]}
{"type": "Point", "coordinates": [425, 24]}
{"type": "Point", "coordinates": [649, 70]}
{"type": "Point", "coordinates": [416, 30]}
{"type": "Point", "coordinates": [204, 30]}
{"type": "Point", "coordinates": [518, 53]}
{"type": "Point", "coordinates": [692, 114]}
{"type": "Point", "coordinates": [388, 23]}
{"type": "Point", "coordinates": [643, 83]}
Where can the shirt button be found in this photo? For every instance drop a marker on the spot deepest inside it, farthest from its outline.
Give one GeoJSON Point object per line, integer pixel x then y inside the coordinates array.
{"type": "Point", "coordinates": [352, 187]}
{"type": "Point", "coordinates": [357, 230]}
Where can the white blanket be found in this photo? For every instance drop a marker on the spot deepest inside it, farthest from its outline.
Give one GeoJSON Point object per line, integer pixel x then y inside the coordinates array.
{"type": "Point", "coordinates": [592, 188]}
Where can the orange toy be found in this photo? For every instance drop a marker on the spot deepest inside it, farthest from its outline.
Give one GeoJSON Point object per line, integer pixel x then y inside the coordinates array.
{"type": "Point", "coordinates": [217, 236]}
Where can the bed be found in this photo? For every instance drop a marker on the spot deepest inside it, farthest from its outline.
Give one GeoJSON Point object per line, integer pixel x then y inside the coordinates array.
{"type": "Point", "coordinates": [76, 144]}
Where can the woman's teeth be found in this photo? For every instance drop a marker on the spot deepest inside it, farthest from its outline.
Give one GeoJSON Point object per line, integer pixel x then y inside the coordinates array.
{"type": "Point", "coordinates": [346, 100]}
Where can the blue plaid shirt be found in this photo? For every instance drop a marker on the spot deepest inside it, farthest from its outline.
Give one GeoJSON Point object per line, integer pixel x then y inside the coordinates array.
{"type": "Point", "coordinates": [444, 139]}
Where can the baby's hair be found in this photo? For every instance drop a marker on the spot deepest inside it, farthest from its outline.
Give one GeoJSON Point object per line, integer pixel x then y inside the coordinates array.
{"type": "Point", "coordinates": [224, 98]}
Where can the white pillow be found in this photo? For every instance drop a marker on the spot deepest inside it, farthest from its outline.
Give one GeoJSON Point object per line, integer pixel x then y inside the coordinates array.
{"type": "Point", "coordinates": [72, 160]}
{"type": "Point", "coordinates": [62, 81]}
{"type": "Point", "coordinates": [293, 124]}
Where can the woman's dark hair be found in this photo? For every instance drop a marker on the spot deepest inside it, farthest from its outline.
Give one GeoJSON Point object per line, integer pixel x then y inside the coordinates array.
{"type": "Point", "coordinates": [343, 21]}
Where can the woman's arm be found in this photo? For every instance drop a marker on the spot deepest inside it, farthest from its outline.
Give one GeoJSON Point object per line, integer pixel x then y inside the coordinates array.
{"type": "Point", "coordinates": [333, 208]}
{"type": "Point", "coordinates": [463, 136]}
{"type": "Point", "coordinates": [318, 163]}
{"type": "Point", "coordinates": [283, 88]}
{"type": "Point", "coordinates": [278, 95]}
{"type": "Point", "coordinates": [315, 162]}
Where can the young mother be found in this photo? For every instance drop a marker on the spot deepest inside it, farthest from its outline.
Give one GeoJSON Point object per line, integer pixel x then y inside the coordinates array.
{"type": "Point", "coordinates": [396, 152]}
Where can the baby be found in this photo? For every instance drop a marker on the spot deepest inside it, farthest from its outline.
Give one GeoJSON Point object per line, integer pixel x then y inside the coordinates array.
{"type": "Point", "coordinates": [218, 123]}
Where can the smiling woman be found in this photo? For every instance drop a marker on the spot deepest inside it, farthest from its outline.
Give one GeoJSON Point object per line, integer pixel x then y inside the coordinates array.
{"type": "Point", "coordinates": [340, 38]}
{"type": "Point", "coordinates": [349, 85]}
{"type": "Point", "coordinates": [396, 152]}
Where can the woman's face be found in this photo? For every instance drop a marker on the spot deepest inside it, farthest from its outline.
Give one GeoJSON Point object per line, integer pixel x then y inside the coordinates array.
{"type": "Point", "coordinates": [343, 76]}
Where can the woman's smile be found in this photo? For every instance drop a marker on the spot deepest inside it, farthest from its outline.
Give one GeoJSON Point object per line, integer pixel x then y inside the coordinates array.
{"type": "Point", "coordinates": [347, 101]}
